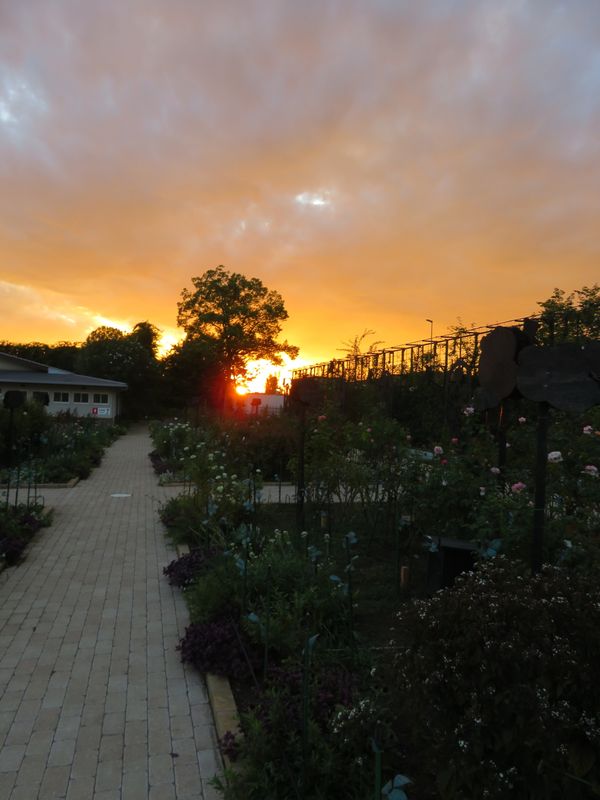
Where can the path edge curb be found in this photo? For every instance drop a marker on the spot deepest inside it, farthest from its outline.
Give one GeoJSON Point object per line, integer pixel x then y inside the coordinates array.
{"type": "Point", "coordinates": [220, 696]}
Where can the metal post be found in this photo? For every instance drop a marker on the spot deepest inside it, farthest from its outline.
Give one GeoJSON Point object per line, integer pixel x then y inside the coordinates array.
{"type": "Point", "coordinates": [301, 489]}
{"type": "Point", "coordinates": [539, 505]}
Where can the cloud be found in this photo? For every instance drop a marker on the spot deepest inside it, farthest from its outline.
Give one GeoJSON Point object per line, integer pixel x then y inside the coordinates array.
{"type": "Point", "coordinates": [24, 308]}
{"type": "Point", "coordinates": [446, 154]}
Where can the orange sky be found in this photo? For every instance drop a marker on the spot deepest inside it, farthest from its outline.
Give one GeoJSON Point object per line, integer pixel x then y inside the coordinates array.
{"type": "Point", "coordinates": [376, 163]}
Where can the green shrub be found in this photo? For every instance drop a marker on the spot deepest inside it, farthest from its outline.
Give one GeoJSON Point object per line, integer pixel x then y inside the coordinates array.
{"type": "Point", "coordinates": [495, 682]}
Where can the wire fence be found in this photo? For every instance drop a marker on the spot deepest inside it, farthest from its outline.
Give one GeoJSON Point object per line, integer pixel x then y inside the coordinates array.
{"type": "Point", "coordinates": [448, 354]}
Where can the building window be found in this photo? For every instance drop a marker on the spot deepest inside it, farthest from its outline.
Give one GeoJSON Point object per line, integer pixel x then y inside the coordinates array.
{"type": "Point", "coordinates": [61, 397]}
{"type": "Point", "coordinates": [81, 397]}
{"type": "Point", "coordinates": [101, 399]}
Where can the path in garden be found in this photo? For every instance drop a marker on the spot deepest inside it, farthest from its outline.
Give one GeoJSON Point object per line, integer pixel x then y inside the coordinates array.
{"type": "Point", "coordinates": [94, 701]}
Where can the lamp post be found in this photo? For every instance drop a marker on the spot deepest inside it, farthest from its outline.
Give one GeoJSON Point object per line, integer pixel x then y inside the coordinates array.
{"type": "Point", "coordinates": [430, 321]}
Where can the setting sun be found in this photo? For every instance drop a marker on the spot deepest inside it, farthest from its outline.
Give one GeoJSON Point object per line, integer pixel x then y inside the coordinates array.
{"type": "Point", "coordinates": [260, 370]}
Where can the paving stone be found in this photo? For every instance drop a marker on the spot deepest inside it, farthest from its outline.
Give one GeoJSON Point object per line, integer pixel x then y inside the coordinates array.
{"type": "Point", "coordinates": [134, 786]}
{"type": "Point", "coordinates": [11, 756]}
{"type": "Point", "coordinates": [187, 777]}
{"type": "Point", "coordinates": [61, 753]}
{"type": "Point", "coordinates": [93, 696]}
{"type": "Point", "coordinates": [109, 775]}
{"type": "Point", "coordinates": [54, 783]}
{"type": "Point", "coordinates": [85, 763]}
{"type": "Point", "coordinates": [80, 788]}
{"type": "Point", "coordinates": [19, 733]}
{"type": "Point", "coordinates": [39, 743]}
{"type": "Point", "coordinates": [160, 768]}
{"type": "Point", "coordinates": [111, 747]}
{"type": "Point", "coordinates": [162, 791]}
{"type": "Point", "coordinates": [7, 781]}
{"type": "Point", "coordinates": [32, 770]}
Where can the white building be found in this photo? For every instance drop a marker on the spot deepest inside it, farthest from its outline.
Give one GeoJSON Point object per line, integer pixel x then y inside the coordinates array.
{"type": "Point", "coordinates": [258, 403]}
{"type": "Point", "coordinates": [60, 390]}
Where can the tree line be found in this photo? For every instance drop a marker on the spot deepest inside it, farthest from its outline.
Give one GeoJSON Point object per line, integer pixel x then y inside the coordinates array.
{"type": "Point", "coordinates": [227, 319]}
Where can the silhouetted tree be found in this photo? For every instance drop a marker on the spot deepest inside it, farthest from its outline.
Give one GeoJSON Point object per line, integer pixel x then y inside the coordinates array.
{"type": "Point", "coordinates": [272, 385]}
{"type": "Point", "coordinates": [192, 375]}
{"type": "Point", "coordinates": [61, 354]}
{"type": "Point", "coordinates": [571, 316]}
{"type": "Point", "coordinates": [129, 357]}
{"type": "Point", "coordinates": [239, 316]}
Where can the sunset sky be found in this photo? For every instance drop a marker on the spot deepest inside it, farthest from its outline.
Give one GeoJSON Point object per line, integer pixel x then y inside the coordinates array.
{"type": "Point", "coordinates": [377, 162]}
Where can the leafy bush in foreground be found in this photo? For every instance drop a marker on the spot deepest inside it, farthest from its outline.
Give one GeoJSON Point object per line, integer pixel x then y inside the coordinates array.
{"type": "Point", "coordinates": [183, 571]}
{"type": "Point", "coordinates": [496, 684]}
{"type": "Point", "coordinates": [17, 526]}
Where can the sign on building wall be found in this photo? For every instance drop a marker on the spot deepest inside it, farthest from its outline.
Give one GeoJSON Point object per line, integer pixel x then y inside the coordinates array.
{"type": "Point", "coordinates": [101, 411]}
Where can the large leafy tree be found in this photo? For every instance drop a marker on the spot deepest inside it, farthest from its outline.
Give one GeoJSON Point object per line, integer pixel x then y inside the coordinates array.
{"type": "Point", "coordinates": [192, 375]}
{"type": "Point", "coordinates": [130, 357]}
{"type": "Point", "coordinates": [61, 354]}
{"type": "Point", "coordinates": [571, 316]}
{"type": "Point", "coordinates": [238, 316]}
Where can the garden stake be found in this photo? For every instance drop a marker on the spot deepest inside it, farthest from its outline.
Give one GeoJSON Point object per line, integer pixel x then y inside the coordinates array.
{"type": "Point", "coordinates": [301, 482]}
{"type": "Point", "coordinates": [310, 643]}
{"type": "Point", "coordinates": [398, 580]}
{"type": "Point", "coordinates": [541, 465]}
{"type": "Point", "coordinates": [35, 486]}
{"type": "Point", "coordinates": [244, 651]}
{"type": "Point", "coordinates": [245, 572]}
{"type": "Point", "coordinates": [18, 481]}
{"type": "Point", "coordinates": [377, 751]}
{"type": "Point", "coordinates": [29, 479]}
{"type": "Point", "coordinates": [347, 542]}
{"type": "Point", "coordinates": [501, 438]}
{"type": "Point", "coordinates": [267, 624]}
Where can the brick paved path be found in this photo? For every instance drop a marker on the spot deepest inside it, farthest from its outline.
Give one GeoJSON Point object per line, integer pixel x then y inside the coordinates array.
{"type": "Point", "coordinates": [94, 702]}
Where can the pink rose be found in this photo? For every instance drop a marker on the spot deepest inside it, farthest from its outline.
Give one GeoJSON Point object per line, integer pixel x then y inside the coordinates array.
{"type": "Point", "coordinates": [438, 451]}
{"type": "Point", "coordinates": [518, 487]}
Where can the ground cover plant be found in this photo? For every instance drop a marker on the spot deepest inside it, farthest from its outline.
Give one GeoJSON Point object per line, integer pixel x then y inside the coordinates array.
{"type": "Point", "coordinates": [51, 449]}
{"type": "Point", "coordinates": [353, 678]}
{"type": "Point", "coordinates": [18, 525]}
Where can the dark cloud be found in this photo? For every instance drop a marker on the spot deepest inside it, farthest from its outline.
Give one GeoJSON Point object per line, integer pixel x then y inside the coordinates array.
{"type": "Point", "coordinates": [377, 163]}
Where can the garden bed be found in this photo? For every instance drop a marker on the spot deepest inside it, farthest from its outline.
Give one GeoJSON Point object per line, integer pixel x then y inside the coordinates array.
{"type": "Point", "coordinates": [18, 526]}
{"type": "Point", "coordinates": [348, 676]}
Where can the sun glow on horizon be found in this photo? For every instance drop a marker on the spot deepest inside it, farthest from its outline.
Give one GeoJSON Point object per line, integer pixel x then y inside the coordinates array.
{"type": "Point", "coordinates": [261, 369]}
{"type": "Point", "coordinates": [167, 340]}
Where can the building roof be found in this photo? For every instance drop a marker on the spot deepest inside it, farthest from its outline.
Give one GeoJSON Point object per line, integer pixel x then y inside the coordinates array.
{"type": "Point", "coordinates": [50, 376]}
{"type": "Point", "coordinates": [34, 366]}
{"type": "Point", "coordinates": [62, 378]}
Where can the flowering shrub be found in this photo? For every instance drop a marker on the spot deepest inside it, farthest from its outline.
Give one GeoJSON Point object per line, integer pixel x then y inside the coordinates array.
{"type": "Point", "coordinates": [496, 681]}
{"type": "Point", "coordinates": [65, 447]}
{"type": "Point", "coordinates": [484, 697]}
{"type": "Point", "coordinates": [217, 498]}
{"type": "Point", "coordinates": [17, 526]}
{"type": "Point", "coordinates": [269, 757]}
